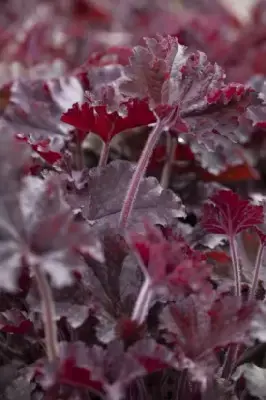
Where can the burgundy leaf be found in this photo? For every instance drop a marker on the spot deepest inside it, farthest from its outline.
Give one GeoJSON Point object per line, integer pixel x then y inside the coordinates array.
{"type": "Point", "coordinates": [227, 214]}
{"type": "Point", "coordinates": [170, 262]}
{"type": "Point", "coordinates": [153, 356]}
{"type": "Point", "coordinates": [15, 321]}
{"type": "Point", "coordinates": [71, 369]}
{"type": "Point", "coordinates": [111, 369]}
{"type": "Point", "coordinates": [42, 147]}
{"type": "Point", "coordinates": [97, 119]}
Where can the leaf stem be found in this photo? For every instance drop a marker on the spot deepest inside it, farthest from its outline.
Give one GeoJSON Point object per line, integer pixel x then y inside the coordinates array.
{"type": "Point", "coordinates": [104, 154]}
{"type": "Point", "coordinates": [229, 360]}
{"type": "Point", "coordinates": [171, 145]}
{"type": "Point", "coordinates": [182, 380]}
{"type": "Point", "coordinates": [50, 327]}
{"type": "Point", "coordinates": [236, 266]}
{"type": "Point", "coordinates": [142, 303]}
{"type": "Point", "coordinates": [139, 173]}
{"type": "Point", "coordinates": [257, 272]}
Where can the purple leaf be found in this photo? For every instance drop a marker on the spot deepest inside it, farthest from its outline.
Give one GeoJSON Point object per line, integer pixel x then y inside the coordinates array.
{"type": "Point", "coordinates": [36, 107]}
{"type": "Point", "coordinates": [153, 356]}
{"type": "Point", "coordinates": [73, 302]}
{"type": "Point", "coordinates": [112, 368]}
{"type": "Point", "coordinates": [196, 328]}
{"type": "Point", "coordinates": [101, 202]}
{"type": "Point", "coordinates": [37, 227]}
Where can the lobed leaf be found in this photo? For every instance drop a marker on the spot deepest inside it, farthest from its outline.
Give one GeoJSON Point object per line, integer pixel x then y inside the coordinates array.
{"type": "Point", "coordinates": [227, 214]}
{"type": "Point", "coordinates": [102, 199]}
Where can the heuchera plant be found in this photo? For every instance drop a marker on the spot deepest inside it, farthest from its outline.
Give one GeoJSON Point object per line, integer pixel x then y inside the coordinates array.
{"type": "Point", "coordinates": [132, 201]}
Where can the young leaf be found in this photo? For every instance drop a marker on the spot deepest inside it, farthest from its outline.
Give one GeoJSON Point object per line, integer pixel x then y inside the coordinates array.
{"type": "Point", "coordinates": [43, 148]}
{"type": "Point", "coordinates": [227, 214]}
{"type": "Point", "coordinates": [169, 261]}
{"type": "Point", "coordinates": [98, 120]}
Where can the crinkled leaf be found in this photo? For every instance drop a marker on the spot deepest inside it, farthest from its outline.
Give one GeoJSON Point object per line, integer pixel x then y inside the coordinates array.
{"type": "Point", "coordinates": [35, 107]}
{"type": "Point", "coordinates": [187, 85]}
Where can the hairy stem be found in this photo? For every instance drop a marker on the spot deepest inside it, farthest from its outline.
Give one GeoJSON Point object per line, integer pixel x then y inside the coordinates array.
{"type": "Point", "coordinates": [231, 355]}
{"type": "Point", "coordinates": [142, 303]}
{"type": "Point", "coordinates": [236, 266]}
{"type": "Point", "coordinates": [139, 174]}
{"type": "Point", "coordinates": [49, 319]}
{"type": "Point", "coordinates": [257, 272]}
{"type": "Point", "coordinates": [104, 154]}
{"type": "Point", "coordinates": [171, 145]}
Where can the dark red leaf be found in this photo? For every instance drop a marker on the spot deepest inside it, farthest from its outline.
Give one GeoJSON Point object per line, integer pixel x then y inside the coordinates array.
{"type": "Point", "coordinates": [97, 119]}
{"type": "Point", "coordinates": [42, 147]}
{"type": "Point", "coordinates": [15, 321]}
{"type": "Point", "coordinates": [153, 356]}
{"type": "Point", "coordinates": [227, 214]}
{"type": "Point", "coordinates": [170, 261]}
